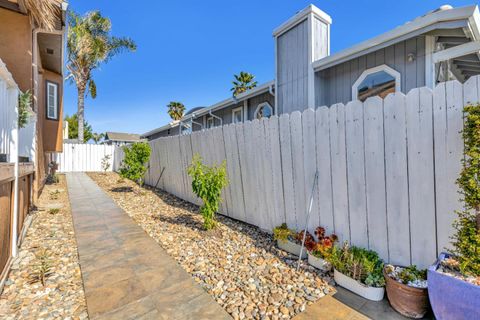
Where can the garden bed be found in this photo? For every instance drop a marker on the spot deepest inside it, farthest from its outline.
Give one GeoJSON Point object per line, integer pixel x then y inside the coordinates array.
{"type": "Point", "coordinates": [237, 264]}
{"type": "Point", "coordinates": [51, 233]}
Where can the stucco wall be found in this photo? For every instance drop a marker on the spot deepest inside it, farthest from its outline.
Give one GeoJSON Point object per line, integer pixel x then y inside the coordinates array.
{"type": "Point", "coordinates": [51, 129]}
{"type": "Point", "coordinates": [16, 46]}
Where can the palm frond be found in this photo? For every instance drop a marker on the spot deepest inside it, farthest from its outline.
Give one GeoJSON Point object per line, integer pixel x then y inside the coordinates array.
{"type": "Point", "coordinates": [45, 13]}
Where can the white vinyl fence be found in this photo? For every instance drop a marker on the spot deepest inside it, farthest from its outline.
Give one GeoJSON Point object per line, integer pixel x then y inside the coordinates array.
{"type": "Point", "coordinates": [387, 169]}
{"type": "Point", "coordinates": [78, 157]}
{"type": "Point", "coordinates": [8, 114]}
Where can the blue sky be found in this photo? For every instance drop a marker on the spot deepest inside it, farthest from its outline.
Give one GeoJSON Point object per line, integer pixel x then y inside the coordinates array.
{"type": "Point", "coordinates": [188, 51]}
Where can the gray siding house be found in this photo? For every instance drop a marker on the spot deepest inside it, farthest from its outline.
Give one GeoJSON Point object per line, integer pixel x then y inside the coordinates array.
{"type": "Point", "coordinates": [442, 45]}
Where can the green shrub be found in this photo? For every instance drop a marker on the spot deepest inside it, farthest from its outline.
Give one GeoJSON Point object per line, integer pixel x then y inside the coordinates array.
{"type": "Point", "coordinates": [133, 164]}
{"type": "Point", "coordinates": [466, 240]}
{"type": "Point", "coordinates": [24, 108]}
{"type": "Point", "coordinates": [207, 184]}
{"type": "Point", "coordinates": [282, 232]}
{"type": "Point", "coordinates": [360, 264]}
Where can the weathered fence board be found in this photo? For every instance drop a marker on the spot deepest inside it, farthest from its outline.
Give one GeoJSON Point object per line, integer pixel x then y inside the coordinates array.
{"type": "Point", "coordinates": [387, 169]}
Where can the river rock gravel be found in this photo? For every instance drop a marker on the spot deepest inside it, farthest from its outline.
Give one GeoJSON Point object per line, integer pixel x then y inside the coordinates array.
{"type": "Point", "coordinates": [238, 264]}
{"type": "Point", "coordinates": [51, 233]}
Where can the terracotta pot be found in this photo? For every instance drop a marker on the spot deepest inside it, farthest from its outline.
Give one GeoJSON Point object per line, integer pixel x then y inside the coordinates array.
{"type": "Point", "coordinates": [408, 301]}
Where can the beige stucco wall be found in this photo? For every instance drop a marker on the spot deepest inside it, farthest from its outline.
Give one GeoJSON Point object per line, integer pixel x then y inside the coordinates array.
{"type": "Point", "coordinates": [15, 46]}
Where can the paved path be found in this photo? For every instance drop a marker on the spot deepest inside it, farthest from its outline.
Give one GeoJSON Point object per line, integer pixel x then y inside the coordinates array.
{"type": "Point", "coordinates": [126, 274]}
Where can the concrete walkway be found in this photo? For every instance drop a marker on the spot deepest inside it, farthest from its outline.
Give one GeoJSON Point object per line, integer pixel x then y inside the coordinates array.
{"type": "Point", "coordinates": [126, 274]}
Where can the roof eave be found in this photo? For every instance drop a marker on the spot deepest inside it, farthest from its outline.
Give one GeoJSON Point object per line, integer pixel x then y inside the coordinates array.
{"type": "Point", "coordinates": [463, 13]}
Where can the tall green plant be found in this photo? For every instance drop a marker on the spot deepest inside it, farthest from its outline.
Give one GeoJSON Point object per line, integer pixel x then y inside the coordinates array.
{"type": "Point", "coordinates": [134, 161]}
{"type": "Point", "coordinates": [207, 184]}
{"type": "Point", "coordinates": [24, 108]}
{"type": "Point", "coordinates": [73, 128]}
{"type": "Point", "coordinates": [89, 44]}
{"type": "Point", "coordinates": [466, 240]}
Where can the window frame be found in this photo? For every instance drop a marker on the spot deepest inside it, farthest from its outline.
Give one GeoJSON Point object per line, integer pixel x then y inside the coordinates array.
{"type": "Point", "coordinates": [239, 109]}
{"type": "Point", "coordinates": [49, 83]}
{"type": "Point", "coordinates": [263, 104]}
{"type": "Point", "coordinates": [213, 122]}
{"type": "Point", "coordinates": [394, 73]}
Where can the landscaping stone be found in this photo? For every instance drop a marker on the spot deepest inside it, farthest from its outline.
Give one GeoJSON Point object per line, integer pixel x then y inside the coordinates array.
{"type": "Point", "coordinates": [237, 264]}
{"type": "Point", "coordinates": [62, 297]}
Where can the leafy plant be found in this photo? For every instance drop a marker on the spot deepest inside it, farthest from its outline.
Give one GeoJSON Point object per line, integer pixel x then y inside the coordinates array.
{"type": "Point", "coordinates": [54, 211]}
{"type": "Point", "coordinates": [324, 246]}
{"type": "Point", "coordinates": [24, 108]}
{"type": "Point", "coordinates": [466, 240]}
{"type": "Point", "coordinates": [207, 184]}
{"type": "Point", "coordinates": [358, 263]}
{"type": "Point", "coordinates": [176, 110]}
{"type": "Point", "coordinates": [42, 269]}
{"type": "Point", "coordinates": [282, 232]}
{"type": "Point", "coordinates": [73, 128]}
{"type": "Point", "coordinates": [54, 195]}
{"type": "Point", "coordinates": [243, 82]}
{"type": "Point", "coordinates": [106, 163]}
{"type": "Point", "coordinates": [309, 240]}
{"type": "Point", "coordinates": [134, 161]}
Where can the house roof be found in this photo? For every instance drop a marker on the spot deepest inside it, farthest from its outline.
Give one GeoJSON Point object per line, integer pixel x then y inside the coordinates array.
{"type": "Point", "coordinates": [444, 14]}
{"type": "Point", "coordinates": [120, 136]}
{"type": "Point", "coordinates": [265, 87]}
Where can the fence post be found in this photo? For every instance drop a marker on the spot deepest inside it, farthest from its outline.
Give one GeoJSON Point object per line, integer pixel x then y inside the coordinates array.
{"type": "Point", "coordinates": [13, 99]}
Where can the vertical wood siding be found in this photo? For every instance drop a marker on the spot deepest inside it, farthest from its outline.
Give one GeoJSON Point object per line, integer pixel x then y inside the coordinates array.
{"type": "Point", "coordinates": [334, 85]}
{"type": "Point", "coordinates": [292, 69]}
{"type": "Point", "coordinates": [387, 169]}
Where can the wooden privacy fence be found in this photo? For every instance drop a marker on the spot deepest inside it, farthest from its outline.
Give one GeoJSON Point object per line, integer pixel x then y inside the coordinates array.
{"type": "Point", "coordinates": [79, 157]}
{"type": "Point", "coordinates": [387, 169]}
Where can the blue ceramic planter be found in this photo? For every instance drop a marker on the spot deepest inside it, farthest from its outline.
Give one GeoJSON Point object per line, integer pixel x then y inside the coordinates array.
{"type": "Point", "coordinates": [451, 298]}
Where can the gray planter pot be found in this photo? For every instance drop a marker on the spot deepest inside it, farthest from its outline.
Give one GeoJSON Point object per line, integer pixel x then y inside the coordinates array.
{"type": "Point", "coordinates": [319, 263]}
{"type": "Point", "coordinates": [370, 293]}
{"type": "Point", "coordinates": [292, 248]}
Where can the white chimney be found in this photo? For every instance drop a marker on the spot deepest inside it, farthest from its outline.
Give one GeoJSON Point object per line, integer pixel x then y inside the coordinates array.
{"type": "Point", "coordinates": [301, 40]}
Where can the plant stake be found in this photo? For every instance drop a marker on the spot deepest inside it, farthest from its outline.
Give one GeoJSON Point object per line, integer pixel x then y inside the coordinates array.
{"type": "Point", "coordinates": [315, 180]}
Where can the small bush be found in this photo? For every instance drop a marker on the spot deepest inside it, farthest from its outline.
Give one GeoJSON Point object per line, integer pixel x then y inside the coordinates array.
{"type": "Point", "coordinates": [106, 163]}
{"type": "Point", "coordinates": [360, 264]}
{"type": "Point", "coordinates": [42, 268]}
{"type": "Point", "coordinates": [466, 240]}
{"type": "Point", "coordinates": [282, 232]}
{"type": "Point", "coordinates": [54, 211]}
{"type": "Point", "coordinates": [207, 184]}
{"type": "Point", "coordinates": [133, 164]}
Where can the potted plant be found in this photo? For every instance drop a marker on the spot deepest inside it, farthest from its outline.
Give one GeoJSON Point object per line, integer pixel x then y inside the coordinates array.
{"type": "Point", "coordinates": [321, 250]}
{"type": "Point", "coordinates": [358, 270]}
{"type": "Point", "coordinates": [454, 279]}
{"type": "Point", "coordinates": [289, 240]}
{"type": "Point", "coordinates": [407, 290]}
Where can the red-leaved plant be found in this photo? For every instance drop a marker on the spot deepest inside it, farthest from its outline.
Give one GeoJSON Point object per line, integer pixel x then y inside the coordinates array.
{"type": "Point", "coordinates": [323, 247]}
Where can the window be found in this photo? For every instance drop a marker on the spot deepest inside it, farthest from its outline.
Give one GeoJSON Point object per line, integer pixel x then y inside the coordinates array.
{"type": "Point", "coordinates": [210, 122]}
{"type": "Point", "coordinates": [378, 81]}
{"type": "Point", "coordinates": [264, 110]}
{"type": "Point", "coordinates": [237, 115]}
{"type": "Point", "coordinates": [52, 100]}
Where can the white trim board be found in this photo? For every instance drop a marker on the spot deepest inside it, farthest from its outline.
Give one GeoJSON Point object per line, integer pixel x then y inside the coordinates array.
{"type": "Point", "coordinates": [457, 51]}
{"type": "Point", "coordinates": [394, 73]}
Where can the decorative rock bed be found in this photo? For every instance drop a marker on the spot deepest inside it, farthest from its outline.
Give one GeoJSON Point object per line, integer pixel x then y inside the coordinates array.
{"type": "Point", "coordinates": [52, 232]}
{"type": "Point", "coordinates": [237, 264]}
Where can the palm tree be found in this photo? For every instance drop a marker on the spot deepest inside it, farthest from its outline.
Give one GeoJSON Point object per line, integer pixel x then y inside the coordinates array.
{"type": "Point", "coordinates": [96, 137]}
{"type": "Point", "coordinates": [176, 110]}
{"type": "Point", "coordinates": [243, 82]}
{"type": "Point", "coordinates": [44, 13]}
{"type": "Point", "coordinates": [89, 43]}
